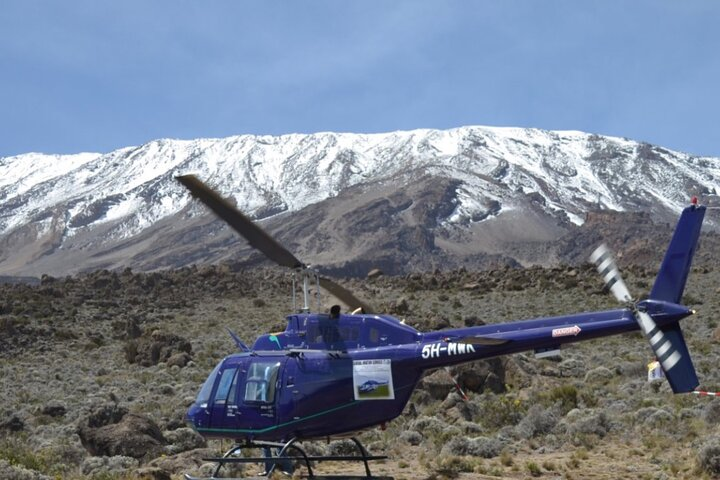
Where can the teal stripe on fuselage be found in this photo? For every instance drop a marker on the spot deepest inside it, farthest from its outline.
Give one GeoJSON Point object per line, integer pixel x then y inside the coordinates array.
{"type": "Point", "coordinates": [274, 427]}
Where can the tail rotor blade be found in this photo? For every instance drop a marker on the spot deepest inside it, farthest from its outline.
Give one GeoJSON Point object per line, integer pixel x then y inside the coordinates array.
{"type": "Point", "coordinates": [667, 343]}
{"type": "Point", "coordinates": [664, 350]}
{"type": "Point", "coordinates": [602, 258]}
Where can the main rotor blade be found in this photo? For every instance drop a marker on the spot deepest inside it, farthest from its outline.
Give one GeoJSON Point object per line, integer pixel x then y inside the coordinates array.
{"type": "Point", "coordinates": [602, 258]}
{"type": "Point", "coordinates": [344, 295]}
{"type": "Point", "coordinates": [255, 235]}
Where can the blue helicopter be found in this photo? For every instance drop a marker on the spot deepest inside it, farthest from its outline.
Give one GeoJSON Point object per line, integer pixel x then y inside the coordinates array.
{"type": "Point", "coordinates": [330, 375]}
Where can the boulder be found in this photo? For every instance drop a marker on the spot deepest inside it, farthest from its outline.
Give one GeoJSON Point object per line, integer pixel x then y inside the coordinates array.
{"type": "Point", "coordinates": [399, 307]}
{"type": "Point", "coordinates": [12, 423]}
{"type": "Point", "coordinates": [438, 384]}
{"type": "Point", "coordinates": [183, 462]}
{"type": "Point", "coordinates": [157, 347]}
{"type": "Point", "coordinates": [179, 359]}
{"type": "Point", "coordinates": [481, 375]}
{"type": "Point", "coordinates": [54, 409]}
{"type": "Point", "coordinates": [132, 328]}
{"type": "Point", "coordinates": [183, 439]}
{"type": "Point", "coordinates": [111, 431]}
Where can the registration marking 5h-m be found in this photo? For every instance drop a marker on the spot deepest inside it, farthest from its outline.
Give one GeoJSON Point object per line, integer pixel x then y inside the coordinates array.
{"type": "Point", "coordinates": [449, 349]}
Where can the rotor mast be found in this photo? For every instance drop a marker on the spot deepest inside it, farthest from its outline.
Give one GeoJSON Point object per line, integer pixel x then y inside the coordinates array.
{"type": "Point", "coordinates": [306, 273]}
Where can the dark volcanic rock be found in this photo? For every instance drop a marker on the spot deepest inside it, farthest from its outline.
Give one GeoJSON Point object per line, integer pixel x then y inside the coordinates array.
{"type": "Point", "coordinates": [110, 431]}
{"type": "Point", "coordinates": [179, 359]}
{"type": "Point", "coordinates": [438, 384]}
{"type": "Point", "coordinates": [158, 347]}
{"type": "Point", "coordinates": [12, 423]}
{"type": "Point", "coordinates": [132, 328]}
{"type": "Point", "coordinates": [54, 409]}
{"type": "Point", "coordinates": [482, 375]}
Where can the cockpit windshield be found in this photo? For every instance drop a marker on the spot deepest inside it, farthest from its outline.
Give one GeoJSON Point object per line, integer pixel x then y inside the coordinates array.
{"type": "Point", "coordinates": [204, 395]}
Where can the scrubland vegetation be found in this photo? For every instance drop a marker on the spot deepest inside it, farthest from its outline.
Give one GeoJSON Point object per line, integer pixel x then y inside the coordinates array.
{"type": "Point", "coordinates": [80, 351]}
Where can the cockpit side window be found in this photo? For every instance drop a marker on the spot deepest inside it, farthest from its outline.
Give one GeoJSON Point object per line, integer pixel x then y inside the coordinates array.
{"type": "Point", "coordinates": [350, 334]}
{"type": "Point", "coordinates": [374, 335]}
{"type": "Point", "coordinates": [227, 380]}
{"type": "Point", "coordinates": [232, 397]}
{"type": "Point", "coordinates": [261, 381]}
{"type": "Point", "coordinates": [207, 387]}
{"type": "Point", "coordinates": [331, 334]}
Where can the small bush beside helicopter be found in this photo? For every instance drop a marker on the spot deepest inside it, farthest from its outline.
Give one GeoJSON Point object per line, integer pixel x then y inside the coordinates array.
{"type": "Point", "coordinates": [330, 375]}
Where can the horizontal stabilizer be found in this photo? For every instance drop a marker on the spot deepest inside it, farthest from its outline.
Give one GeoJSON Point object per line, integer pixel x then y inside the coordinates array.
{"type": "Point", "coordinates": [681, 373]}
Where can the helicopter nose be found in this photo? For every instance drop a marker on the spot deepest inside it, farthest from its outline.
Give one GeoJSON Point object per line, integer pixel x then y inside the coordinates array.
{"type": "Point", "coordinates": [196, 417]}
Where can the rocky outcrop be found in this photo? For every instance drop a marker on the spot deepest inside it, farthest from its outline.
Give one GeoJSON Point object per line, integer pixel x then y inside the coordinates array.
{"type": "Point", "coordinates": [159, 347]}
{"type": "Point", "coordinates": [111, 431]}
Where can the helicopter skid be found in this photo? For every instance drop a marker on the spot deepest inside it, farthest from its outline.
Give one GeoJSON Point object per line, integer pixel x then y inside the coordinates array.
{"type": "Point", "coordinates": [283, 459]}
{"type": "Point", "coordinates": [317, 477]}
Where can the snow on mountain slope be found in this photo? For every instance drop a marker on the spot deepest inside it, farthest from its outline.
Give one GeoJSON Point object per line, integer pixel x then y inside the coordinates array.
{"type": "Point", "coordinates": [114, 197]}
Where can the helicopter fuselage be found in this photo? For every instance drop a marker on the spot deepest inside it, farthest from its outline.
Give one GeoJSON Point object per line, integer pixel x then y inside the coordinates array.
{"type": "Point", "coordinates": [314, 379]}
{"type": "Point", "coordinates": [333, 375]}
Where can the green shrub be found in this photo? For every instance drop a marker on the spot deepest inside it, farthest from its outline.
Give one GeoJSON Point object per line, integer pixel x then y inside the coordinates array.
{"type": "Point", "coordinates": [499, 411]}
{"type": "Point", "coordinates": [18, 453]}
{"type": "Point", "coordinates": [566, 395]}
{"type": "Point", "coordinates": [533, 468]}
{"type": "Point", "coordinates": [452, 466]}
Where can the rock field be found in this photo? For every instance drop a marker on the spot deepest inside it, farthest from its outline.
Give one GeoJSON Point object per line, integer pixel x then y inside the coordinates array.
{"type": "Point", "coordinates": [97, 371]}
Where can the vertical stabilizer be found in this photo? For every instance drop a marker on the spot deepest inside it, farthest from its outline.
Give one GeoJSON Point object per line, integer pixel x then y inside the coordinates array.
{"type": "Point", "coordinates": [671, 278]}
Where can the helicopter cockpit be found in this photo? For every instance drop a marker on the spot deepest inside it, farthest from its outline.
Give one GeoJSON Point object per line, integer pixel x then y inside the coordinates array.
{"type": "Point", "coordinates": [241, 388]}
{"type": "Point", "coordinates": [245, 391]}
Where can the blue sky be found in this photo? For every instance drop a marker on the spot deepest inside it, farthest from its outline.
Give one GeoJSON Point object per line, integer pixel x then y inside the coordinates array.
{"type": "Point", "coordinates": [97, 75]}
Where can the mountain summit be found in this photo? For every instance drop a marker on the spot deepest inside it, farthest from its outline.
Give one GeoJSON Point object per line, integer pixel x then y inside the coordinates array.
{"type": "Point", "coordinates": [403, 201]}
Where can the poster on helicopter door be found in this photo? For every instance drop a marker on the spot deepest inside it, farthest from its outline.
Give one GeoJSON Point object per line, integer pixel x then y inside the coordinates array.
{"type": "Point", "coordinates": [372, 379]}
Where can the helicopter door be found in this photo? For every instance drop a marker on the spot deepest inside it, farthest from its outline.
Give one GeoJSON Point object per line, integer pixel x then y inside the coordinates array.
{"type": "Point", "coordinates": [224, 404]}
{"type": "Point", "coordinates": [262, 387]}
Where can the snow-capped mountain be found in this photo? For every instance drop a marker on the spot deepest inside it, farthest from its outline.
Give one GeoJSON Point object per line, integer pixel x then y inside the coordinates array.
{"type": "Point", "coordinates": [465, 191]}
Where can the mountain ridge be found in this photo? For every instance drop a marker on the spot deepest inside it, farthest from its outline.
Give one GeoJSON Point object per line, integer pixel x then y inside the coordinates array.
{"type": "Point", "coordinates": [445, 193]}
